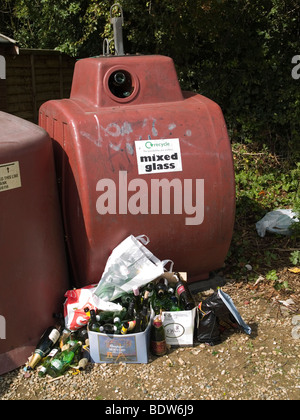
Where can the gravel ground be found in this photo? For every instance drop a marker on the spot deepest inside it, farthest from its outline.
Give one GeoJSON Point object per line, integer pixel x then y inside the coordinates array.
{"type": "Point", "coordinates": [263, 366]}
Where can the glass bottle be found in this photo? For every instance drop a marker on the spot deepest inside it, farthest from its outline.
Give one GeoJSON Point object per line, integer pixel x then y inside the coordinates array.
{"type": "Point", "coordinates": [44, 346]}
{"type": "Point", "coordinates": [109, 329]}
{"type": "Point", "coordinates": [130, 310]}
{"type": "Point", "coordinates": [47, 361]}
{"type": "Point", "coordinates": [62, 361]}
{"type": "Point", "coordinates": [158, 343]}
{"type": "Point", "coordinates": [65, 335]}
{"type": "Point", "coordinates": [137, 299]}
{"type": "Point", "coordinates": [105, 317]}
{"type": "Point", "coordinates": [145, 317]}
{"type": "Point", "coordinates": [93, 323]}
{"type": "Point", "coordinates": [184, 295]}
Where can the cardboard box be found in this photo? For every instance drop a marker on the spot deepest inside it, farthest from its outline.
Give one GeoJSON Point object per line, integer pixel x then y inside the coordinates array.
{"type": "Point", "coordinates": [129, 348]}
{"type": "Point", "coordinates": [179, 327]}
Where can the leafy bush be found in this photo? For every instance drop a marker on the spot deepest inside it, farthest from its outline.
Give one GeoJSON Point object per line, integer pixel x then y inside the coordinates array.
{"type": "Point", "coordinates": [237, 52]}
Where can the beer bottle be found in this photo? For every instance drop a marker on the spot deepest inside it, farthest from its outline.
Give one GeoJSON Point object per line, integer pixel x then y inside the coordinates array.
{"type": "Point", "coordinates": [44, 346]}
{"type": "Point", "coordinates": [130, 310]}
{"type": "Point", "coordinates": [131, 326]}
{"type": "Point", "coordinates": [120, 327]}
{"type": "Point", "coordinates": [157, 297]}
{"type": "Point", "coordinates": [158, 343]}
{"type": "Point", "coordinates": [137, 299]}
{"type": "Point", "coordinates": [184, 295]}
{"type": "Point", "coordinates": [138, 325]}
{"type": "Point", "coordinates": [105, 317]}
{"type": "Point", "coordinates": [109, 329]}
{"type": "Point", "coordinates": [94, 324]}
{"type": "Point", "coordinates": [145, 317]}
{"type": "Point", "coordinates": [124, 328]}
{"type": "Point", "coordinates": [65, 335]}
{"type": "Point", "coordinates": [82, 334]}
{"type": "Point", "coordinates": [174, 306]}
{"type": "Point", "coordinates": [62, 361]}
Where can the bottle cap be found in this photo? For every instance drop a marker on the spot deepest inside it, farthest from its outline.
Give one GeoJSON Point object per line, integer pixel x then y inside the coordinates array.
{"type": "Point", "coordinates": [157, 322]}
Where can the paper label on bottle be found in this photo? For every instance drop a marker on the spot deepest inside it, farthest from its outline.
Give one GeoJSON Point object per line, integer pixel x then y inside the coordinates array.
{"type": "Point", "coordinates": [57, 364]}
{"type": "Point", "coordinates": [54, 336]}
{"type": "Point", "coordinates": [180, 290]}
{"type": "Point", "coordinates": [10, 177]}
{"type": "Point", "coordinates": [158, 156]}
{"type": "Point", "coordinates": [159, 347]}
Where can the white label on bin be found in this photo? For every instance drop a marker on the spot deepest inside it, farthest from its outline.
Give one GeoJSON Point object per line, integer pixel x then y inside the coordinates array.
{"type": "Point", "coordinates": [156, 156]}
{"type": "Point", "coordinates": [10, 177]}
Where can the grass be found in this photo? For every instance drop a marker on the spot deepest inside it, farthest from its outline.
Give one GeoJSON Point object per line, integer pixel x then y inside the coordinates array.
{"type": "Point", "coordinates": [264, 182]}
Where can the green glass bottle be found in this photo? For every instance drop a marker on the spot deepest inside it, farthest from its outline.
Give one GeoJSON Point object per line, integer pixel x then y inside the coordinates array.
{"type": "Point", "coordinates": [105, 317]}
{"type": "Point", "coordinates": [93, 323]}
{"type": "Point", "coordinates": [158, 343]}
{"type": "Point", "coordinates": [44, 346]}
{"type": "Point", "coordinates": [62, 361]}
{"type": "Point", "coordinates": [43, 370]}
{"type": "Point", "coordinates": [145, 317]}
{"type": "Point", "coordinates": [137, 299]}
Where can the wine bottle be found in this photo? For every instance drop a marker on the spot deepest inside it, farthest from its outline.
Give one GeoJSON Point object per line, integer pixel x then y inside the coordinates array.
{"type": "Point", "coordinates": [130, 310]}
{"type": "Point", "coordinates": [158, 343]}
{"type": "Point", "coordinates": [145, 317]}
{"type": "Point", "coordinates": [43, 370]}
{"type": "Point", "coordinates": [62, 361]}
{"type": "Point", "coordinates": [44, 346]}
{"type": "Point", "coordinates": [184, 295]}
{"type": "Point", "coordinates": [137, 299]}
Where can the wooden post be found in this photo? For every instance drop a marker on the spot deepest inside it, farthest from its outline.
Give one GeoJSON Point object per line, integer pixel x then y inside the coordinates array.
{"type": "Point", "coordinates": [61, 77]}
{"type": "Point", "coordinates": [33, 81]}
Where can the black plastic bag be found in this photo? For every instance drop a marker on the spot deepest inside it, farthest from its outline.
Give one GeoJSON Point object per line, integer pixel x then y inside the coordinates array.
{"type": "Point", "coordinates": [216, 311]}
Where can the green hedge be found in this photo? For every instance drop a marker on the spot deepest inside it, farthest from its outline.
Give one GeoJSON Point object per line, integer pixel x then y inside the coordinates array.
{"type": "Point", "coordinates": [237, 52]}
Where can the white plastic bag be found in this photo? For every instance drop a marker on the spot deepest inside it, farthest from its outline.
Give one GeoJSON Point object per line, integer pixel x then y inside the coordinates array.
{"type": "Point", "coordinates": [130, 265]}
{"type": "Point", "coordinates": [277, 221]}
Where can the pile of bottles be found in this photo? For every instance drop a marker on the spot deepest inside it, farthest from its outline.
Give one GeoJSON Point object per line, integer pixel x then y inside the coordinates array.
{"type": "Point", "coordinates": [136, 307]}
{"type": "Point", "coordinates": [57, 350]}
{"type": "Point", "coordinates": [172, 296]}
{"type": "Point", "coordinates": [133, 318]}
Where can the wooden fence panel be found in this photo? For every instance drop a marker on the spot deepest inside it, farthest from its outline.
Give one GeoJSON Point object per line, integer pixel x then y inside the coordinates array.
{"type": "Point", "coordinates": [32, 78]}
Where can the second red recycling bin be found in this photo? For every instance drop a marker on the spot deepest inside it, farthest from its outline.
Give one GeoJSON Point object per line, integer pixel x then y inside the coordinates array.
{"type": "Point", "coordinates": [33, 266]}
{"type": "Point", "coordinates": [137, 155]}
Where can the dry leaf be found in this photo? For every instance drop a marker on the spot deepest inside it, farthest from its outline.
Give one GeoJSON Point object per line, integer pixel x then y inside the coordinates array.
{"type": "Point", "coordinates": [294, 270]}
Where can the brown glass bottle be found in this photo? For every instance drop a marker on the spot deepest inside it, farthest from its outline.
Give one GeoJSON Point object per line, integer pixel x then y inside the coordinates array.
{"type": "Point", "coordinates": [184, 295]}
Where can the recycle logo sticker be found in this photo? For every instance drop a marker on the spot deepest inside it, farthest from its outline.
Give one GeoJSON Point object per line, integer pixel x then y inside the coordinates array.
{"type": "Point", "coordinates": [158, 156]}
